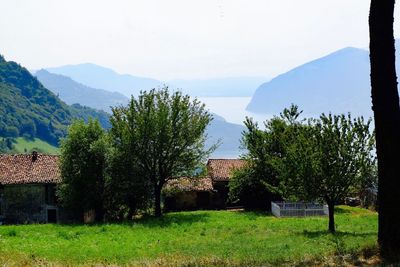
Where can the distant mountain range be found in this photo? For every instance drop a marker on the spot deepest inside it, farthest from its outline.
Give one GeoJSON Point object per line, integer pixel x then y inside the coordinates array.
{"type": "Point", "coordinates": [72, 92]}
{"type": "Point", "coordinates": [337, 83]}
{"type": "Point", "coordinates": [99, 77]}
{"type": "Point", "coordinates": [28, 109]}
{"type": "Point", "coordinates": [228, 133]}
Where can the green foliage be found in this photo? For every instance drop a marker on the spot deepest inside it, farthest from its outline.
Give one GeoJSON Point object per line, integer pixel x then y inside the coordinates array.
{"type": "Point", "coordinates": [325, 159]}
{"type": "Point", "coordinates": [245, 188]}
{"type": "Point", "coordinates": [82, 168]}
{"type": "Point", "coordinates": [28, 109]}
{"type": "Point", "coordinates": [161, 135]}
{"type": "Point", "coordinates": [128, 191]}
{"type": "Point", "coordinates": [6, 145]}
{"type": "Point", "coordinates": [330, 159]}
{"type": "Point", "coordinates": [260, 182]}
{"type": "Point", "coordinates": [24, 145]}
{"type": "Point", "coordinates": [201, 238]}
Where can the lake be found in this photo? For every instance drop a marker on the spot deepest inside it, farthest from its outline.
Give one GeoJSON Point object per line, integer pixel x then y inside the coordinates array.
{"type": "Point", "coordinates": [232, 109]}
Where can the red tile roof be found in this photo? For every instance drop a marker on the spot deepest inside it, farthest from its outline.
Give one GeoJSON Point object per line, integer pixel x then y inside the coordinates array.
{"type": "Point", "coordinates": [25, 169]}
{"type": "Point", "coordinates": [189, 184]}
{"type": "Point", "coordinates": [221, 169]}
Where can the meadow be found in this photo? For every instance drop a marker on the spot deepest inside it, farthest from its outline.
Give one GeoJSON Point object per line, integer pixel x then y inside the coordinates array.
{"type": "Point", "coordinates": [24, 145]}
{"type": "Point", "coordinates": [199, 238]}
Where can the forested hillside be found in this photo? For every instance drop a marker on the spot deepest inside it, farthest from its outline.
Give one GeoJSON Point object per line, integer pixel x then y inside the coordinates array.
{"type": "Point", "coordinates": [30, 110]}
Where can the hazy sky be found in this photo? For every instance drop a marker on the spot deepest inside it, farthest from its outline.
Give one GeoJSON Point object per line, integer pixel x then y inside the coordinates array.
{"type": "Point", "coordinates": [169, 39]}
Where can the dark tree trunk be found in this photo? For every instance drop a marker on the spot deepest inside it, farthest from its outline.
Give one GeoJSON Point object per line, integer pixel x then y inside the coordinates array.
{"type": "Point", "coordinates": [132, 207]}
{"type": "Point", "coordinates": [157, 200]}
{"type": "Point", "coordinates": [100, 213]}
{"type": "Point", "coordinates": [385, 102]}
{"type": "Point", "coordinates": [331, 212]}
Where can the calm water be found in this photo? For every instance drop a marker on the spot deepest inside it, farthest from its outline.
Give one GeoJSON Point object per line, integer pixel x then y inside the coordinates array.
{"type": "Point", "coordinates": [233, 109]}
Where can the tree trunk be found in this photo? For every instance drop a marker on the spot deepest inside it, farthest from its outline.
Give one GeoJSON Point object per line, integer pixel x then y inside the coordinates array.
{"type": "Point", "coordinates": [157, 200]}
{"type": "Point", "coordinates": [132, 207]}
{"type": "Point", "coordinates": [385, 102]}
{"type": "Point", "coordinates": [331, 212]}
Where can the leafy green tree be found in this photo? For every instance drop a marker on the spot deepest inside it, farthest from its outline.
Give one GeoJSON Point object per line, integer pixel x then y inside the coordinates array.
{"type": "Point", "coordinates": [164, 134]}
{"type": "Point", "coordinates": [248, 190]}
{"type": "Point", "coordinates": [259, 183]}
{"type": "Point", "coordinates": [127, 189]}
{"type": "Point", "coordinates": [328, 160]}
{"type": "Point", "coordinates": [82, 163]}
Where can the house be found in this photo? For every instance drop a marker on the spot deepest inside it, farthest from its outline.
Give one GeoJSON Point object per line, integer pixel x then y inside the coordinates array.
{"type": "Point", "coordinates": [220, 172]}
{"type": "Point", "coordinates": [192, 193]}
{"type": "Point", "coordinates": [27, 188]}
{"type": "Point", "coordinates": [188, 193]}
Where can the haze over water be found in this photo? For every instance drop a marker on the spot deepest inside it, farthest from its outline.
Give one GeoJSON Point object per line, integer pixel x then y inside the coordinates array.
{"type": "Point", "coordinates": [232, 109]}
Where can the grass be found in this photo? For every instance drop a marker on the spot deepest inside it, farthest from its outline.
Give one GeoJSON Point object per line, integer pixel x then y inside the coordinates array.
{"type": "Point", "coordinates": [24, 145]}
{"type": "Point", "coordinates": [191, 239]}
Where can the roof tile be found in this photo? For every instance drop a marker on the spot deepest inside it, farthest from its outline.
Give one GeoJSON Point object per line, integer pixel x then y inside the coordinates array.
{"type": "Point", "coordinates": [25, 169]}
{"type": "Point", "coordinates": [221, 169]}
{"type": "Point", "coordinates": [189, 184]}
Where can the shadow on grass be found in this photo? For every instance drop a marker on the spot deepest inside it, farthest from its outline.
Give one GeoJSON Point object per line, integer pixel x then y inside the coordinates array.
{"type": "Point", "coordinates": [171, 218]}
{"type": "Point", "coordinates": [148, 221]}
{"type": "Point", "coordinates": [339, 210]}
{"type": "Point", "coordinates": [254, 214]}
{"type": "Point", "coordinates": [338, 234]}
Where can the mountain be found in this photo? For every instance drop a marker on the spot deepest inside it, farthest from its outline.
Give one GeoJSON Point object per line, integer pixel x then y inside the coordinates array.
{"type": "Point", "coordinates": [100, 77]}
{"type": "Point", "coordinates": [219, 87]}
{"type": "Point", "coordinates": [337, 83]}
{"type": "Point", "coordinates": [28, 109]}
{"type": "Point", "coordinates": [228, 134]}
{"type": "Point", "coordinates": [103, 78]}
{"type": "Point", "coordinates": [72, 92]}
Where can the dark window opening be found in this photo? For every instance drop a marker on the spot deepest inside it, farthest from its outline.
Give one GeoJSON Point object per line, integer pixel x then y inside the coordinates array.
{"type": "Point", "coordinates": [50, 194]}
{"type": "Point", "coordinates": [52, 216]}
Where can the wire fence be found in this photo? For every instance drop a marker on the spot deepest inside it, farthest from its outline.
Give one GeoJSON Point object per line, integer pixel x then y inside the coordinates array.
{"type": "Point", "coordinates": [298, 209]}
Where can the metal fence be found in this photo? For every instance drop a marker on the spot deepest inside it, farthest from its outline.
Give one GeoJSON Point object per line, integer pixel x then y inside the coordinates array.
{"type": "Point", "coordinates": [298, 209]}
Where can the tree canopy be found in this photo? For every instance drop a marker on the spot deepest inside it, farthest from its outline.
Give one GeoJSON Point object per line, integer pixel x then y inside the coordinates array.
{"type": "Point", "coordinates": [82, 164]}
{"type": "Point", "coordinates": [325, 159]}
{"type": "Point", "coordinates": [164, 133]}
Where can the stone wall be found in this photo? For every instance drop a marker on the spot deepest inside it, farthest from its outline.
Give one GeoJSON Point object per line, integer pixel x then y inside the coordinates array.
{"type": "Point", "coordinates": [26, 203]}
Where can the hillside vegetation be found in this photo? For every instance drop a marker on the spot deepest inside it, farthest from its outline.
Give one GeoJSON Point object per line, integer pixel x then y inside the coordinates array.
{"type": "Point", "coordinates": [23, 145]}
{"type": "Point", "coordinates": [27, 109]}
{"type": "Point", "coordinates": [201, 238]}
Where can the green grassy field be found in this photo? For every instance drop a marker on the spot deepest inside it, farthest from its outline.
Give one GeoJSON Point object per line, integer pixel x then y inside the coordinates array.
{"type": "Point", "coordinates": [23, 145]}
{"type": "Point", "coordinates": [191, 239]}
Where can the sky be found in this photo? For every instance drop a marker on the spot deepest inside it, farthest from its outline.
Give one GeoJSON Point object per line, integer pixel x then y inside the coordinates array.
{"type": "Point", "coordinates": [181, 39]}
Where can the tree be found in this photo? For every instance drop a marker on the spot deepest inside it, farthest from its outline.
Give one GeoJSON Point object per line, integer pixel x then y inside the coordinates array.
{"type": "Point", "coordinates": [165, 134]}
{"type": "Point", "coordinates": [128, 190]}
{"type": "Point", "coordinates": [328, 160]}
{"type": "Point", "coordinates": [385, 104]}
{"type": "Point", "coordinates": [259, 182]}
{"type": "Point", "coordinates": [82, 168]}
